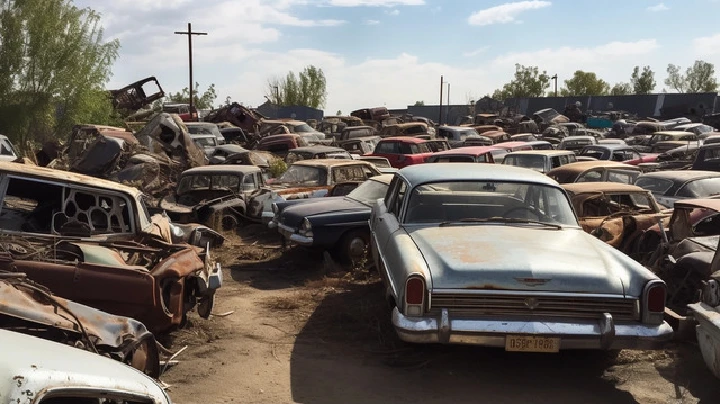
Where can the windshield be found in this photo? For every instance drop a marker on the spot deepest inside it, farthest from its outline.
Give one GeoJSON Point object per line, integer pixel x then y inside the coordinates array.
{"type": "Point", "coordinates": [204, 182]}
{"type": "Point", "coordinates": [532, 161]}
{"type": "Point", "coordinates": [456, 201]}
{"type": "Point", "coordinates": [304, 176]}
{"type": "Point", "coordinates": [369, 191]}
{"type": "Point", "coordinates": [6, 149]}
{"type": "Point", "coordinates": [611, 203]}
{"type": "Point", "coordinates": [294, 156]}
{"type": "Point", "coordinates": [303, 128]}
{"type": "Point", "coordinates": [203, 141]}
{"type": "Point", "coordinates": [654, 185]}
{"type": "Point", "coordinates": [204, 130]}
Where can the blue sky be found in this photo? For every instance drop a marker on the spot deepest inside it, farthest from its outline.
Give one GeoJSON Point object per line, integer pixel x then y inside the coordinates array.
{"type": "Point", "coordinates": [392, 52]}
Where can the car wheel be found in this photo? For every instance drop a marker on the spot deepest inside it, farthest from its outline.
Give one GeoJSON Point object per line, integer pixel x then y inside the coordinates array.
{"type": "Point", "coordinates": [229, 222]}
{"type": "Point", "coordinates": [354, 247]}
{"type": "Point", "coordinates": [205, 306]}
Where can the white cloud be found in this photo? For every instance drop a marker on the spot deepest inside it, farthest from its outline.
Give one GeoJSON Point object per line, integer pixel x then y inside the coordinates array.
{"type": "Point", "coordinates": [372, 22]}
{"type": "Point", "coordinates": [707, 45]}
{"type": "Point", "coordinates": [505, 13]}
{"type": "Point", "coordinates": [476, 52]}
{"type": "Point", "coordinates": [658, 7]}
{"type": "Point", "coordinates": [393, 12]}
{"type": "Point", "coordinates": [375, 3]}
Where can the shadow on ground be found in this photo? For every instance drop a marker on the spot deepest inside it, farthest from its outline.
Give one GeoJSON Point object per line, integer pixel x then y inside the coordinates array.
{"type": "Point", "coordinates": [690, 374]}
{"type": "Point", "coordinates": [379, 368]}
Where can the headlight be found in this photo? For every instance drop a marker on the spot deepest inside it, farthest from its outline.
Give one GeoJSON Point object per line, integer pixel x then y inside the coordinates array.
{"type": "Point", "coordinates": [274, 208]}
{"type": "Point", "coordinates": [306, 229]}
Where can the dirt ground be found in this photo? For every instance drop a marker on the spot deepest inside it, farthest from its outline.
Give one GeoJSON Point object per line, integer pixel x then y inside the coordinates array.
{"type": "Point", "coordinates": [303, 332]}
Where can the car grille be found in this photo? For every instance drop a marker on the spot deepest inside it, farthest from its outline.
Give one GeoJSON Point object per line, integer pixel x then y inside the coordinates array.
{"type": "Point", "coordinates": [469, 305]}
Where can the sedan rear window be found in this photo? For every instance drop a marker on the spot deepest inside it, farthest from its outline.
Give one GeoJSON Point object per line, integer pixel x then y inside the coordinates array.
{"type": "Point", "coordinates": [702, 188]}
{"type": "Point", "coordinates": [654, 185]}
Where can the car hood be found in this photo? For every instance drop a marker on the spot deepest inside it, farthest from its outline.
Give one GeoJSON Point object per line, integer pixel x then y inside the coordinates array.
{"type": "Point", "coordinates": [293, 215]}
{"type": "Point", "coordinates": [510, 257]}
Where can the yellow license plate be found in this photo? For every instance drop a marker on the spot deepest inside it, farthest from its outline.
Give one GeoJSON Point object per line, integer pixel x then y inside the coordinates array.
{"type": "Point", "coordinates": [528, 343]}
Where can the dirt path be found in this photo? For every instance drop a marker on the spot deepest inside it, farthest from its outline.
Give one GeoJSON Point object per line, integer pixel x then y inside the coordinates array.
{"type": "Point", "coordinates": [302, 333]}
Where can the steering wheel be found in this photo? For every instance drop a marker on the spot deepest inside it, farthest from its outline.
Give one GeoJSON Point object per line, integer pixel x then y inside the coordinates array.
{"type": "Point", "coordinates": [525, 208]}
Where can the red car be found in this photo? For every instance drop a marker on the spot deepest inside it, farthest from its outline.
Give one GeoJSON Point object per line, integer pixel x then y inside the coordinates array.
{"type": "Point", "coordinates": [402, 151]}
{"type": "Point", "coordinates": [469, 154]}
{"type": "Point", "coordinates": [183, 110]}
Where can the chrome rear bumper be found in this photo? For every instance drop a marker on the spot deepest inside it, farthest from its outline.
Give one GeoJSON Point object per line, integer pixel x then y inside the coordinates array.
{"type": "Point", "coordinates": [600, 334]}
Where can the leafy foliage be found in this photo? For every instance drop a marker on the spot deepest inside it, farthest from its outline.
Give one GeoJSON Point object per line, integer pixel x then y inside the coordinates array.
{"type": "Point", "coordinates": [419, 103]}
{"type": "Point", "coordinates": [204, 101]}
{"type": "Point", "coordinates": [308, 88]}
{"type": "Point", "coordinates": [585, 83]}
{"type": "Point", "coordinates": [527, 82]}
{"type": "Point", "coordinates": [700, 77]}
{"type": "Point", "coordinates": [643, 82]}
{"type": "Point", "coordinates": [621, 89]}
{"type": "Point", "coordinates": [54, 64]}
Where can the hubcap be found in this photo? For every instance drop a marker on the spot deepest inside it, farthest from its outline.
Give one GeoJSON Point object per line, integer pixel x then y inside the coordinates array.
{"type": "Point", "coordinates": [357, 247]}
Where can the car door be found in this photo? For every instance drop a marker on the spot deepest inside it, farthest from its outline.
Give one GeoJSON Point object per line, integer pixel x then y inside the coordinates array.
{"type": "Point", "coordinates": [390, 151]}
{"type": "Point", "coordinates": [384, 223]}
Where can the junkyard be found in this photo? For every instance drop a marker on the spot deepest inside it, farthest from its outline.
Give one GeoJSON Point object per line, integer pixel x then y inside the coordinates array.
{"type": "Point", "coordinates": [528, 246]}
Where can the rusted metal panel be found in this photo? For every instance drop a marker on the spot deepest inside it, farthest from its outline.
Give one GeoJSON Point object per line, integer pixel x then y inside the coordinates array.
{"type": "Point", "coordinates": [32, 309]}
{"type": "Point", "coordinates": [134, 95]}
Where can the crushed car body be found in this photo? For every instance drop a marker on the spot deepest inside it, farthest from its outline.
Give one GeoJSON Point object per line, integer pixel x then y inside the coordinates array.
{"type": "Point", "coordinates": [29, 308]}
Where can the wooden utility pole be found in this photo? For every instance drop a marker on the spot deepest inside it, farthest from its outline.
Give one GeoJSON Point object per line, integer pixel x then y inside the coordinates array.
{"type": "Point", "coordinates": [189, 34]}
{"type": "Point", "coordinates": [441, 93]}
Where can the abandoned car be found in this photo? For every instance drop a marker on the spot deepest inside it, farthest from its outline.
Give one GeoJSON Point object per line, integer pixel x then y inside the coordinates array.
{"type": "Point", "coordinates": [311, 179]}
{"type": "Point", "coordinates": [316, 152]}
{"type": "Point", "coordinates": [616, 213]}
{"type": "Point", "coordinates": [616, 152]}
{"type": "Point", "coordinates": [670, 186]}
{"type": "Point", "coordinates": [34, 370]}
{"type": "Point", "coordinates": [595, 171]}
{"type": "Point", "coordinates": [521, 291]}
{"type": "Point", "coordinates": [32, 309]}
{"type": "Point", "coordinates": [402, 151]}
{"type": "Point", "coordinates": [540, 160]}
{"type": "Point", "coordinates": [468, 154]}
{"type": "Point", "coordinates": [338, 224]}
{"type": "Point", "coordinates": [218, 196]}
{"type": "Point", "coordinates": [576, 143]}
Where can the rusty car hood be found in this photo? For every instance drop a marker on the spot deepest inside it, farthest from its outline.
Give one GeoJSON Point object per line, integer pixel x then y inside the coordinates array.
{"type": "Point", "coordinates": [508, 257]}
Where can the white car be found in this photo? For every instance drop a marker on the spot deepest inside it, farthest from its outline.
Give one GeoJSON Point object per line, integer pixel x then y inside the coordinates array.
{"type": "Point", "coordinates": [37, 370]}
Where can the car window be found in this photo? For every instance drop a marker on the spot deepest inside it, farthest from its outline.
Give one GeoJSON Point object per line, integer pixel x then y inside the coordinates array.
{"type": "Point", "coordinates": [342, 174]}
{"type": "Point", "coordinates": [590, 176]}
{"type": "Point", "coordinates": [477, 200]}
{"type": "Point", "coordinates": [387, 148]}
{"type": "Point", "coordinates": [456, 159]}
{"type": "Point", "coordinates": [654, 185]}
{"type": "Point", "coordinates": [532, 161]}
{"type": "Point", "coordinates": [304, 176]}
{"type": "Point", "coordinates": [701, 188]}
{"type": "Point", "coordinates": [406, 148]}
{"type": "Point", "coordinates": [249, 182]}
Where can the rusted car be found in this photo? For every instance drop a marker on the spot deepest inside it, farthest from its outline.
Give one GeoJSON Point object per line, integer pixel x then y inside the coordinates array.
{"type": "Point", "coordinates": [155, 283]}
{"type": "Point", "coordinates": [312, 179]}
{"type": "Point", "coordinates": [281, 144]}
{"type": "Point", "coordinates": [402, 151]}
{"type": "Point", "coordinates": [522, 291]}
{"type": "Point", "coordinates": [595, 171]}
{"type": "Point", "coordinates": [678, 138]}
{"type": "Point", "coordinates": [616, 213]}
{"type": "Point", "coordinates": [32, 309]}
{"type": "Point", "coordinates": [471, 154]}
{"type": "Point", "coordinates": [617, 152]}
{"type": "Point", "coordinates": [497, 136]}
{"type": "Point", "coordinates": [540, 160]}
{"type": "Point", "coordinates": [316, 152]}
{"type": "Point", "coordinates": [687, 254]}
{"type": "Point", "coordinates": [136, 95]}
{"type": "Point", "coordinates": [218, 196]}
{"type": "Point", "coordinates": [33, 370]}
{"type": "Point", "coordinates": [404, 129]}
{"type": "Point", "coordinates": [671, 186]}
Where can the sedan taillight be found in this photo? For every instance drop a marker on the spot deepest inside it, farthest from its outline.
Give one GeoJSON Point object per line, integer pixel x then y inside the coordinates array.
{"type": "Point", "coordinates": [414, 296]}
{"type": "Point", "coordinates": [653, 302]}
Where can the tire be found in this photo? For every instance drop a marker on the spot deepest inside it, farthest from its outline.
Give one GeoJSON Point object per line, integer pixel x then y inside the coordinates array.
{"type": "Point", "coordinates": [205, 306]}
{"type": "Point", "coordinates": [353, 248]}
{"type": "Point", "coordinates": [229, 222]}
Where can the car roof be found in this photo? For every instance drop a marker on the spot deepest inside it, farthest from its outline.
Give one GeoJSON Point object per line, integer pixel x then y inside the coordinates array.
{"type": "Point", "coordinates": [317, 149]}
{"type": "Point", "coordinates": [467, 150]}
{"type": "Point", "coordinates": [580, 137]}
{"type": "Point", "coordinates": [384, 178]}
{"type": "Point", "coordinates": [27, 170]}
{"type": "Point", "coordinates": [511, 144]}
{"type": "Point", "coordinates": [61, 366]}
{"type": "Point", "coordinates": [457, 128]}
{"type": "Point", "coordinates": [581, 166]}
{"type": "Point", "coordinates": [408, 124]}
{"type": "Point", "coordinates": [199, 124]}
{"type": "Point", "coordinates": [222, 168]}
{"type": "Point", "coordinates": [689, 125]}
{"type": "Point", "coordinates": [609, 146]}
{"type": "Point", "coordinates": [332, 162]}
{"type": "Point", "coordinates": [408, 139]}
{"type": "Point", "coordinates": [707, 203]}
{"type": "Point", "coordinates": [597, 187]}
{"type": "Point", "coordinates": [673, 133]}
{"type": "Point", "coordinates": [437, 172]}
{"type": "Point", "coordinates": [681, 175]}
{"type": "Point", "coordinates": [542, 152]}
{"type": "Point", "coordinates": [349, 128]}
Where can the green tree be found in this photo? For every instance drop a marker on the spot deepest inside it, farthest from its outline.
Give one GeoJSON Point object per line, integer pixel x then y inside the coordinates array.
{"type": "Point", "coordinates": [585, 83]}
{"type": "Point", "coordinates": [700, 77]}
{"type": "Point", "coordinates": [307, 88]}
{"type": "Point", "coordinates": [338, 113]}
{"type": "Point", "coordinates": [204, 101]}
{"type": "Point", "coordinates": [643, 82]}
{"type": "Point", "coordinates": [54, 63]}
{"type": "Point", "coordinates": [527, 82]}
{"type": "Point", "coordinates": [419, 103]}
{"type": "Point", "coordinates": [621, 89]}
